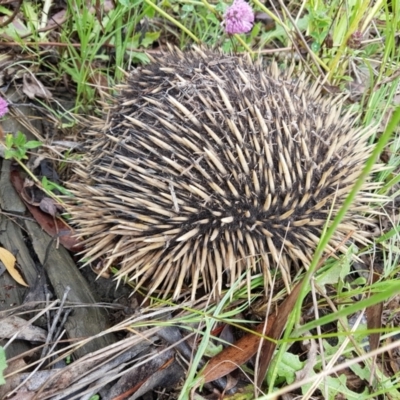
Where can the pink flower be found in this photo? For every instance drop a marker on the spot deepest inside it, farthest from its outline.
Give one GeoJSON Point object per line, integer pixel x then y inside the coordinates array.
{"type": "Point", "coordinates": [3, 107]}
{"type": "Point", "coordinates": [238, 18]}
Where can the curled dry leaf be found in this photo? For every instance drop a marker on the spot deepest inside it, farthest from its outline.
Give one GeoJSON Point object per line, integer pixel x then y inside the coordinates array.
{"type": "Point", "coordinates": [29, 193]}
{"type": "Point", "coordinates": [374, 323]}
{"type": "Point", "coordinates": [17, 24]}
{"type": "Point", "coordinates": [33, 88]}
{"type": "Point", "coordinates": [246, 347]}
{"type": "Point", "coordinates": [100, 82]}
{"type": "Point", "coordinates": [9, 261]}
{"type": "Point", "coordinates": [307, 370]}
{"type": "Point", "coordinates": [55, 227]}
{"type": "Point", "coordinates": [107, 6]}
{"type": "Point", "coordinates": [266, 20]}
{"type": "Point", "coordinates": [49, 206]}
{"type": "Point", "coordinates": [15, 325]}
{"type": "Point", "coordinates": [57, 19]}
{"type": "Point", "coordinates": [236, 355]}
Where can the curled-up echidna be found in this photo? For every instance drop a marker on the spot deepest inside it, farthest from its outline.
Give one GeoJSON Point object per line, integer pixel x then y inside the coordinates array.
{"type": "Point", "coordinates": [209, 165]}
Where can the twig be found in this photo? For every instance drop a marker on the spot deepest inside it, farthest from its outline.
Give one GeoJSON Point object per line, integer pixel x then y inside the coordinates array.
{"type": "Point", "coordinates": [14, 14]}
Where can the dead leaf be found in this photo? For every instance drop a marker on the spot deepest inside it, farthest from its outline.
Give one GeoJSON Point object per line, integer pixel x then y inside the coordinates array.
{"type": "Point", "coordinates": [107, 6]}
{"type": "Point", "coordinates": [13, 324]}
{"type": "Point", "coordinates": [17, 24]}
{"type": "Point", "coordinates": [31, 384]}
{"type": "Point", "coordinates": [307, 370]}
{"type": "Point", "coordinates": [55, 227]}
{"type": "Point", "coordinates": [266, 20]}
{"type": "Point", "coordinates": [23, 395]}
{"type": "Point", "coordinates": [374, 321]}
{"type": "Point", "coordinates": [234, 356]}
{"type": "Point", "coordinates": [34, 88]}
{"type": "Point", "coordinates": [240, 352]}
{"type": "Point", "coordinates": [100, 82]}
{"type": "Point", "coordinates": [30, 193]}
{"type": "Point", "coordinates": [57, 19]}
{"type": "Point", "coordinates": [49, 206]}
{"type": "Point", "coordinates": [145, 377]}
{"type": "Point", "coordinates": [275, 331]}
{"type": "Point", "coordinates": [9, 260]}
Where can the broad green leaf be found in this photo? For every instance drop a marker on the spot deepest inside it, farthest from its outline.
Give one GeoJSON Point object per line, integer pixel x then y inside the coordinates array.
{"type": "Point", "coordinates": [288, 365]}
{"type": "Point", "coordinates": [32, 144]}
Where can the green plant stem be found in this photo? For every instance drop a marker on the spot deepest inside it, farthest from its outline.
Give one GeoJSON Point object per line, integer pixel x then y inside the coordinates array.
{"type": "Point", "coordinates": [367, 20]}
{"type": "Point", "coordinates": [316, 59]}
{"type": "Point", "coordinates": [353, 27]}
{"type": "Point", "coordinates": [243, 43]}
{"type": "Point", "coordinates": [173, 20]}
{"type": "Point", "coordinates": [272, 15]}
{"type": "Point", "coordinates": [209, 7]}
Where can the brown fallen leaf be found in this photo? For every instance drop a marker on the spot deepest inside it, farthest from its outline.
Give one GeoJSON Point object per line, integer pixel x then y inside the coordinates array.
{"type": "Point", "coordinates": [55, 227]}
{"type": "Point", "coordinates": [235, 355]}
{"type": "Point", "coordinates": [25, 331]}
{"type": "Point", "coordinates": [240, 352]}
{"type": "Point", "coordinates": [275, 332]}
{"type": "Point", "coordinates": [100, 82]}
{"type": "Point", "coordinates": [232, 357]}
{"type": "Point", "coordinates": [374, 315]}
{"type": "Point", "coordinates": [145, 377]}
{"type": "Point", "coordinates": [374, 321]}
{"type": "Point", "coordinates": [268, 23]}
{"type": "Point", "coordinates": [32, 87]}
{"type": "Point", "coordinates": [49, 206]}
{"type": "Point", "coordinates": [374, 318]}
{"type": "Point", "coordinates": [57, 19]}
{"type": "Point", "coordinates": [9, 260]}
{"type": "Point", "coordinates": [23, 395]}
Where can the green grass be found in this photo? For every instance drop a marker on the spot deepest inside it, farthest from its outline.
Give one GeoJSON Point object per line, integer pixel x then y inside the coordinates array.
{"type": "Point", "coordinates": [93, 47]}
{"type": "Point", "coordinates": [3, 365]}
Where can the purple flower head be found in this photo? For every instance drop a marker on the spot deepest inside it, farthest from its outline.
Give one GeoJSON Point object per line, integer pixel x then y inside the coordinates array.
{"type": "Point", "coordinates": [238, 18]}
{"type": "Point", "coordinates": [3, 107]}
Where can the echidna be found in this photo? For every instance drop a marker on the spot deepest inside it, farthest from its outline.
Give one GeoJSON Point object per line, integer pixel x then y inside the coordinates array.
{"type": "Point", "coordinates": [208, 165]}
